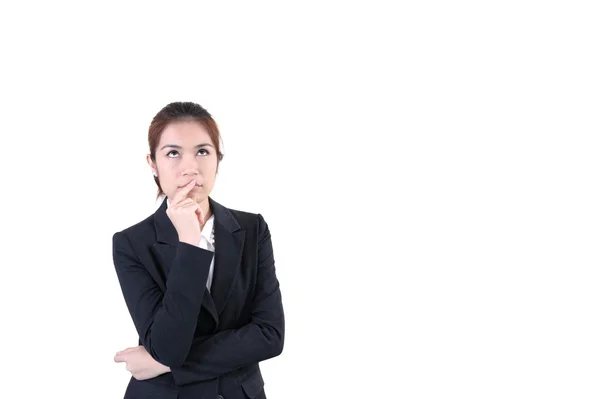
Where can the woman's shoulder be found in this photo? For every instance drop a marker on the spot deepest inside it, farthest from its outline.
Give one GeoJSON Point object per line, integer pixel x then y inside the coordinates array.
{"type": "Point", "coordinates": [243, 215]}
{"type": "Point", "coordinates": [247, 219]}
{"type": "Point", "coordinates": [253, 222]}
{"type": "Point", "coordinates": [140, 229]}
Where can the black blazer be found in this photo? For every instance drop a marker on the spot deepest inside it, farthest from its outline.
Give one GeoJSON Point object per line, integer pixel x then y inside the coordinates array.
{"type": "Point", "coordinates": [212, 341]}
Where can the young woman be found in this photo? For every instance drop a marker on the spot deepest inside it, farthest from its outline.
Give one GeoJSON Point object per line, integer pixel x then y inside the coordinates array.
{"type": "Point", "coordinates": [198, 278]}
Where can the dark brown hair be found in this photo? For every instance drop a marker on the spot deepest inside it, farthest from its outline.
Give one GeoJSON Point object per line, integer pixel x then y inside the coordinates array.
{"type": "Point", "coordinates": [182, 111]}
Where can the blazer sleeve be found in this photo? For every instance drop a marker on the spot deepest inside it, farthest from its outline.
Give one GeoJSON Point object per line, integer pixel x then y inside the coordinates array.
{"type": "Point", "coordinates": [261, 339]}
{"type": "Point", "coordinates": [165, 322]}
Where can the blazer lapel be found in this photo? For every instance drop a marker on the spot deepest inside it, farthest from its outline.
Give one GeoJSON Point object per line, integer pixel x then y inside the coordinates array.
{"type": "Point", "coordinates": [229, 245]}
{"type": "Point", "coordinates": [166, 239]}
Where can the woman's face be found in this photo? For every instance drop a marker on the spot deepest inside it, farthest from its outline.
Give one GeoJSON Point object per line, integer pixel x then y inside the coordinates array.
{"type": "Point", "coordinates": [185, 153]}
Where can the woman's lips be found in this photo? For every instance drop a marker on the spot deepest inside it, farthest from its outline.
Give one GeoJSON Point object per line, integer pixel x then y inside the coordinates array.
{"type": "Point", "coordinates": [197, 185]}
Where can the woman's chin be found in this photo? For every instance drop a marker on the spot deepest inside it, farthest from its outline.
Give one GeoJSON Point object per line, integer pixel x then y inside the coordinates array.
{"type": "Point", "coordinates": [197, 197]}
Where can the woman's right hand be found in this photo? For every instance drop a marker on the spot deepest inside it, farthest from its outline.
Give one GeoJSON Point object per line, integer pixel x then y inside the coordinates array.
{"type": "Point", "coordinates": [183, 213]}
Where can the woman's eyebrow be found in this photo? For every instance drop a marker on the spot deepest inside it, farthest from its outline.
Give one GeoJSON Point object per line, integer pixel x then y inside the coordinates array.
{"type": "Point", "coordinates": [178, 147]}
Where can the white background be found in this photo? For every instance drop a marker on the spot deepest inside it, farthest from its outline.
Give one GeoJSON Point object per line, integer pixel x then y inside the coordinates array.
{"type": "Point", "coordinates": [429, 172]}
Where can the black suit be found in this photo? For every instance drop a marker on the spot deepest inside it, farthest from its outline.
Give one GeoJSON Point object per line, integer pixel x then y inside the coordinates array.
{"type": "Point", "coordinates": [212, 341]}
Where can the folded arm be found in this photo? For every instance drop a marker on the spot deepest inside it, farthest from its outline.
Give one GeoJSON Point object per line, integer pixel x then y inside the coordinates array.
{"type": "Point", "coordinates": [165, 323]}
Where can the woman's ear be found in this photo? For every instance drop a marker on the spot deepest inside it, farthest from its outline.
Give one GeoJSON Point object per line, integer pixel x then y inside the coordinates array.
{"type": "Point", "coordinates": [152, 165]}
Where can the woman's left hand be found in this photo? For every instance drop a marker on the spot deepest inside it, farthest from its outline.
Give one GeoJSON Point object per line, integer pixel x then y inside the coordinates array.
{"type": "Point", "coordinates": [139, 362]}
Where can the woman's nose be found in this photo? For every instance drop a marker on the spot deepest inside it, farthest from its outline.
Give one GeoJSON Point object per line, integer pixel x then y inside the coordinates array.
{"type": "Point", "coordinates": [189, 167]}
{"type": "Point", "coordinates": [190, 172]}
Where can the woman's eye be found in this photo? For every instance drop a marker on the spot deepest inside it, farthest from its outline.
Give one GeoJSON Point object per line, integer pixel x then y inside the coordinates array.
{"type": "Point", "coordinates": [172, 154]}
{"type": "Point", "coordinates": [202, 151]}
